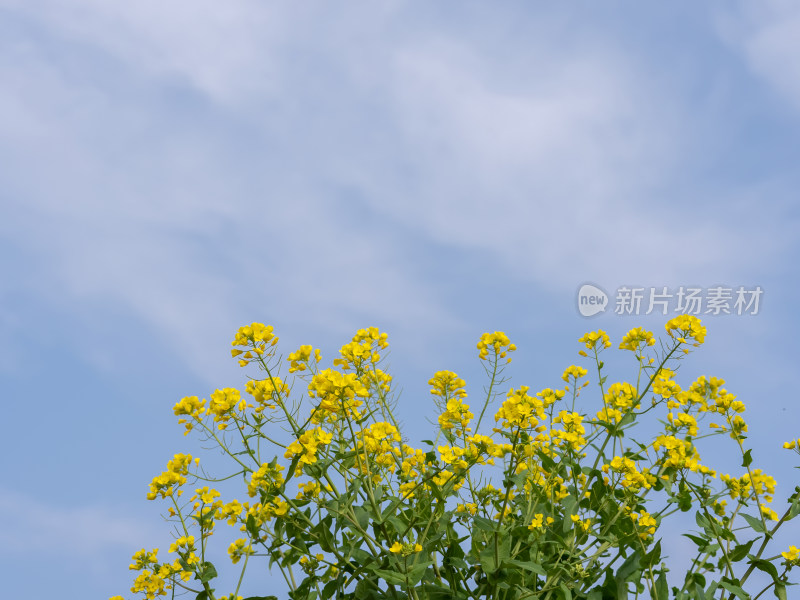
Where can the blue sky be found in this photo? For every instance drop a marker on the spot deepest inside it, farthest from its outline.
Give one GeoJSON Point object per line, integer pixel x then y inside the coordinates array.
{"type": "Point", "coordinates": [170, 172]}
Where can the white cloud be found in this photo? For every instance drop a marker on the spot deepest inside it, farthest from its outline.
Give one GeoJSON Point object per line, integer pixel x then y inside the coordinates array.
{"type": "Point", "coordinates": [556, 165]}
{"type": "Point", "coordinates": [210, 44]}
{"type": "Point", "coordinates": [33, 527]}
{"type": "Point", "coordinates": [767, 34]}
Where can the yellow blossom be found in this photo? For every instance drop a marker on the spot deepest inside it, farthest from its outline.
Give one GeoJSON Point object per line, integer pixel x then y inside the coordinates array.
{"type": "Point", "coordinates": [238, 549]}
{"type": "Point", "coordinates": [792, 556]}
{"type": "Point", "coordinates": [636, 337]}
{"type": "Point", "coordinates": [498, 342]}
{"type": "Point", "coordinates": [592, 338]}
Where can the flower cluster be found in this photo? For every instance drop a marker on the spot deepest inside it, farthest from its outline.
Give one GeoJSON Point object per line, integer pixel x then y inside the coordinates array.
{"type": "Point", "coordinates": [339, 395]}
{"type": "Point", "coordinates": [223, 402]}
{"type": "Point", "coordinates": [456, 414]}
{"type": "Point", "coordinates": [522, 512]}
{"type": "Point", "coordinates": [299, 359]}
{"type": "Point", "coordinates": [446, 385]}
{"type": "Point", "coordinates": [498, 342]}
{"type": "Point", "coordinates": [192, 407]}
{"type": "Point", "coordinates": [306, 447]}
{"type": "Point", "coordinates": [269, 393]}
{"type": "Point", "coordinates": [256, 339]}
{"type": "Point", "coordinates": [521, 410]}
{"type": "Point", "coordinates": [630, 476]}
{"type": "Point", "coordinates": [637, 338]}
{"type": "Point", "coordinates": [363, 351]}
{"type": "Point", "coordinates": [174, 477]}
{"type": "Point", "coordinates": [686, 326]}
{"type": "Point", "coordinates": [595, 340]}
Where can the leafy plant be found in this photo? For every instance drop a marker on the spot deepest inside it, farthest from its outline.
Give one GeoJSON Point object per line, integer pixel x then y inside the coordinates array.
{"type": "Point", "coordinates": [541, 501]}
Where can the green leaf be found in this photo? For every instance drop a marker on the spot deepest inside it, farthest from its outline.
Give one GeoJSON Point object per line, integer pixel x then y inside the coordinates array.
{"type": "Point", "coordinates": [569, 503]}
{"type": "Point", "coordinates": [323, 534]}
{"type": "Point", "coordinates": [365, 589]}
{"type": "Point", "coordinates": [630, 566]}
{"type": "Point", "coordinates": [747, 460]}
{"type": "Point", "coordinates": [524, 565]}
{"type": "Point", "coordinates": [794, 509]}
{"type": "Point", "coordinates": [684, 501]}
{"type": "Point", "coordinates": [701, 542]}
{"type": "Point", "coordinates": [780, 592]}
{"type": "Point", "coordinates": [483, 523]}
{"type": "Point", "coordinates": [735, 589]}
{"type": "Point", "coordinates": [362, 516]}
{"type": "Point", "coordinates": [765, 566]}
{"type": "Point", "coordinates": [328, 591]}
{"type": "Point", "coordinates": [434, 592]}
{"type": "Point", "coordinates": [206, 572]}
{"type": "Point", "coordinates": [699, 592]}
{"type": "Point", "coordinates": [261, 598]}
{"type": "Point", "coordinates": [252, 529]}
{"type": "Point", "coordinates": [740, 551]}
{"type": "Point", "coordinates": [392, 577]}
{"type": "Point", "coordinates": [756, 524]}
{"type": "Point", "coordinates": [415, 574]}
{"type": "Point", "coordinates": [627, 571]}
{"type": "Point", "coordinates": [661, 589]}
{"type": "Point", "coordinates": [487, 556]}
{"type": "Point", "coordinates": [565, 590]}
{"type": "Point", "coordinates": [360, 556]}
{"type": "Point", "coordinates": [202, 596]}
{"type": "Point", "coordinates": [653, 557]}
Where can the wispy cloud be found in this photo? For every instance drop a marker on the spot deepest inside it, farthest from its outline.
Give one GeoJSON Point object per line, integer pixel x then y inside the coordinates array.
{"type": "Point", "coordinates": [767, 34]}
{"type": "Point", "coordinates": [192, 163]}
{"type": "Point", "coordinates": [32, 527]}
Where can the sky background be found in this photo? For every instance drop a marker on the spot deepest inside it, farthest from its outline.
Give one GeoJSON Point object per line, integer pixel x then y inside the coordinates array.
{"type": "Point", "coordinates": [172, 171]}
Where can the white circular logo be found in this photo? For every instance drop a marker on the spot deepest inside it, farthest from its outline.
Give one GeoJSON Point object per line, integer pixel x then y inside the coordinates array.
{"type": "Point", "coordinates": [591, 300]}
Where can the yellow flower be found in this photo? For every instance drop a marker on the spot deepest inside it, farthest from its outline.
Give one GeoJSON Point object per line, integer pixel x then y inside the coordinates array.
{"type": "Point", "coordinates": [792, 556]}
{"type": "Point", "coordinates": [338, 393]}
{"type": "Point", "coordinates": [573, 371]}
{"type": "Point", "coordinates": [622, 396]}
{"type": "Point", "coordinates": [769, 513]}
{"type": "Point", "coordinates": [192, 407]}
{"type": "Point", "coordinates": [686, 326]}
{"type": "Point", "coordinates": [536, 522]}
{"type": "Point", "coordinates": [223, 401]}
{"type": "Point", "coordinates": [592, 338]}
{"type": "Point", "coordinates": [635, 337]}
{"type": "Point", "coordinates": [362, 352]}
{"type": "Point", "coordinates": [174, 476]}
{"type": "Point", "coordinates": [470, 508]}
{"type": "Point", "coordinates": [521, 410]}
{"type": "Point", "coordinates": [254, 337]}
{"type": "Point", "coordinates": [456, 413]}
{"type": "Point", "coordinates": [447, 384]}
{"type": "Point", "coordinates": [238, 549]}
{"type": "Point", "coordinates": [498, 342]}
{"type": "Point", "coordinates": [182, 544]}
{"type": "Point", "coordinates": [143, 558]}
{"type": "Point", "coordinates": [299, 359]}
{"type": "Point", "coordinates": [646, 522]}
{"type": "Point", "coordinates": [405, 549]}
